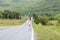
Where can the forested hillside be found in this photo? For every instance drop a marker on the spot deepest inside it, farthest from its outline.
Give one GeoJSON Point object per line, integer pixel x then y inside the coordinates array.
{"type": "Point", "coordinates": [48, 7]}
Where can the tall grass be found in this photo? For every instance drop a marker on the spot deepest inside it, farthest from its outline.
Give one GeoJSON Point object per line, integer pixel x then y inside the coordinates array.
{"type": "Point", "coordinates": [43, 33]}
{"type": "Point", "coordinates": [11, 22]}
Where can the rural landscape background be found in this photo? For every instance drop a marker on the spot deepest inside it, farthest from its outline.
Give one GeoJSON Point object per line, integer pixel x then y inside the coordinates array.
{"type": "Point", "coordinates": [45, 13]}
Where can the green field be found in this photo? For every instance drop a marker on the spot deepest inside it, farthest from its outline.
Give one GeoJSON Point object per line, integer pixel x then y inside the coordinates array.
{"type": "Point", "coordinates": [11, 22]}
{"type": "Point", "coordinates": [46, 32]}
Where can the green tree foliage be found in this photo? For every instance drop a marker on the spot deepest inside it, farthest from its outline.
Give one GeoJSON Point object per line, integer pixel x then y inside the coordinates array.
{"type": "Point", "coordinates": [1, 16]}
{"type": "Point", "coordinates": [40, 19]}
{"type": "Point", "coordinates": [57, 17]}
{"type": "Point", "coordinates": [43, 20]}
{"type": "Point", "coordinates": [35, 16]}
{"type": "Point", "coordinates": [40, 7]}
{"type": "Point", "coordinates": [36, 20]}
{"type": "Point", "coordinates": [6, 14]}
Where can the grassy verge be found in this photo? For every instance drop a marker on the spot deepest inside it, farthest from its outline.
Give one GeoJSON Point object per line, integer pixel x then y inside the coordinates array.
{"type": "Point", "coordinates": [56, 28]}
{"type": "Point", "coordinates": [8, 22]}
{"type": "Point", "coordinates": [45, 32]}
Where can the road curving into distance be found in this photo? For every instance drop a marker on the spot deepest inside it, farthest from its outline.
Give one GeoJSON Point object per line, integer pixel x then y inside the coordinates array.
{"type": "Point", "coordinates": [21, 32]}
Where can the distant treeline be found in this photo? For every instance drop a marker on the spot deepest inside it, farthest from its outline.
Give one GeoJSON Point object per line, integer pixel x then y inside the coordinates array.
{"type": "Point", "coordinates": [6, 14]}
{"type": "Point", "coordinates": [44, 18]}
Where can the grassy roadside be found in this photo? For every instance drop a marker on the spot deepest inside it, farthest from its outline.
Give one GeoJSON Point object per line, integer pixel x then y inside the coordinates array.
{"type": "Point", "coordinates": [8, 22]}
{"type": "Point", "coordinates": [45, 32]}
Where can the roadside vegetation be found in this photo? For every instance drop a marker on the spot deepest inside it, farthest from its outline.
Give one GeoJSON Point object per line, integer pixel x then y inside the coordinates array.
{"type": "Point", "coordinates": [11, 18]}
{"type": "Point", "coordinates": [46, 32]}
{"type": "Point", "coordinates": [47, 28]}
{"type": "Point", "coordinates": [7, 14]}
{"type": "Point", "coordinates": [11, 22]}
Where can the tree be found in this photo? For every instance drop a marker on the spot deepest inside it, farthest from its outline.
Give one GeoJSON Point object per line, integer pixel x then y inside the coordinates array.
{"type": "Point", "coordinates": [11, 14]}
{"type": "Point", "coordinates": [17, 15]}
{"type": "Point", "coordinates": [41, 19]}
{"type": "Point", "coordinates": [1, 16]}
{"type": "Point", "coordinates": [35, 16]}
{"type": "Point", "coordinates": [37, 20]}
{"type": "Point", "coordinates": [6, 14]}
{"type": "Point", "coordinates": [57, 17]}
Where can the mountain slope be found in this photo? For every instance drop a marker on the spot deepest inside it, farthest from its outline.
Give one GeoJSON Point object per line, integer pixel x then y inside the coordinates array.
{"type": "Point", "coordinates": [31, 6]}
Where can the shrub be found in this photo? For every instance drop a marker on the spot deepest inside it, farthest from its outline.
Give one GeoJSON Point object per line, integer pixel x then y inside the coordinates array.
{"type": "Point", "coordinates": [49, 23]}
{"type": "Point", "coordinates": [57, 17]}
{"type": "Point", "coordinates": [36, 20]}
{"type": "Point", "coordinates": [41, 19]}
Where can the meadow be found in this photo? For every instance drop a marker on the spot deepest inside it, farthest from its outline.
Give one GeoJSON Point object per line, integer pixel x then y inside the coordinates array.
{"type": "Point", "coordinates": [11, 22]}
{"type": "Point", "coordinates": [46, 32]}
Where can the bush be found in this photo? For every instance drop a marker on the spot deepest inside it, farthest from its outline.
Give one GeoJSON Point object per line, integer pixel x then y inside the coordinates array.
{"type": "Point", "coordinates": [41, 19]}
{"type": "Point", "coordinates": [49, 23]}
{"type": "Point", "coordinates": [36, 20]}
{"type": "Point", "coordinates": [57, 17]}
{"type": "Point", "coordinates": [10, 14]}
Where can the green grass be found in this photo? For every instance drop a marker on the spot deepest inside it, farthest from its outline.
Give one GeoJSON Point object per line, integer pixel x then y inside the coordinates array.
{"type": "Point", "coordinates": [11, 22]}
{"type": "Point", "coordinates": [45, 32]}
{"type": "Point", "coordinates": [57, 28]}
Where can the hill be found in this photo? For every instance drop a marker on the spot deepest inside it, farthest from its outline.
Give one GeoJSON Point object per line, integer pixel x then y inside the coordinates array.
{"type": "Point", "coordinates": [31, 6]}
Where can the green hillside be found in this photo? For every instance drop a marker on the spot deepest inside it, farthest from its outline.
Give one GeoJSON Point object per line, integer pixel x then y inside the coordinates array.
{"type": "Point", "coordinates": [31, 6]}
{"type": "Point", "coordinates": [46, 6]}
